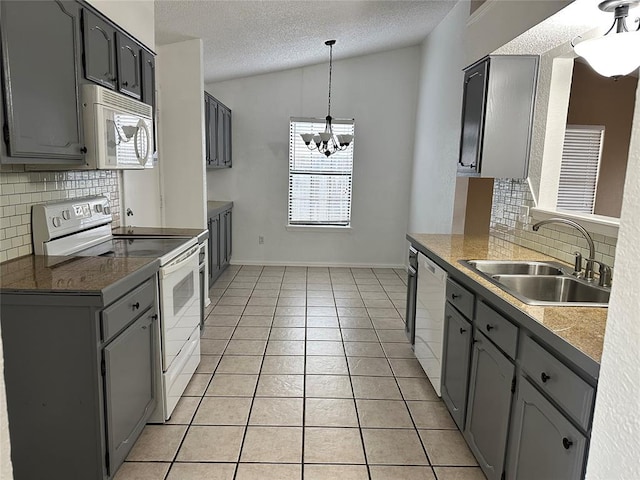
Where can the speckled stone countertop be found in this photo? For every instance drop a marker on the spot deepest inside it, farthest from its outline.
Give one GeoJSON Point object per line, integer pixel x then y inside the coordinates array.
{"type": "Point", "coordinates": [581, 327]}
{"type": "Point", "coordinates": [162, 232]}
{"type": "Point", "coordinates": [77, 275]}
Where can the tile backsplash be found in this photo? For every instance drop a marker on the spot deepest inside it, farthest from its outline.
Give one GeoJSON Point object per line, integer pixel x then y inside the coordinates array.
{"type": "Point", "coordinates": [20, 189]}
{"type": "Point", "coordinates": [556, 240]}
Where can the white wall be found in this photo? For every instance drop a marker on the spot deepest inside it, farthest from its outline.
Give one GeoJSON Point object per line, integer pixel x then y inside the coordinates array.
{"type": "Point", "coordinates": [438, 125]}
{"type": "Point", "coordinates": [615, 449]}
{"type": "Point", "coordinates": [181, 150]}
{"type": "Point", "coordinates": [134, 16]}
{"type": "Point", "coordinates": [380, 92]}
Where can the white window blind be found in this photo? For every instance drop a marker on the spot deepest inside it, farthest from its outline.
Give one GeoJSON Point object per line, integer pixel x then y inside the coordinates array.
{"type": "Point", "coordinates": [580, 168]}
{"type": "Point", "coordinates": [319, 186]}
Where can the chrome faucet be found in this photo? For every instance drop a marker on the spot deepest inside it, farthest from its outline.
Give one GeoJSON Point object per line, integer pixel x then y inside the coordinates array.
{"type": "Point", "coordinates": [588, 269]}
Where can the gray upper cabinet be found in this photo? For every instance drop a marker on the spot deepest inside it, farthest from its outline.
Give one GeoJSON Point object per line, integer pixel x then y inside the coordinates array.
{"type": "Point", "coordinates": [99, 50]}
{"type": "Point", "coordinates": [543, 444]}
{"type": "Point", "coordinates": [41, 51]}
{"type": "Point", "coordinates": [148, 78]}
{"type": "Point", "coordinates": [129, 65]}
{"type": "Point", "coordinates": [497, 116]}
{"type": "Point", "coordinates": [218, 133]}
{"type": "Point", "coordinates": [489, 406]}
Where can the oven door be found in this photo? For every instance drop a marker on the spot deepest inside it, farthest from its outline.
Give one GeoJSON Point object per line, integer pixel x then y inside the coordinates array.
{"type": "Point", "coordinates": [179, 303]}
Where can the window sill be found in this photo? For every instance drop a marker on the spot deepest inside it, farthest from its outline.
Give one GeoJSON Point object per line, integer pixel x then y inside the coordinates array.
{"type": "Point", "coordinates": [600, 224]}
{"type": "Point", "coordinates": [317, 228]}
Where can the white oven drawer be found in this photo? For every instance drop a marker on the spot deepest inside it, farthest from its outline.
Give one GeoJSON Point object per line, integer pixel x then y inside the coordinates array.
{"type": "Point", "coordinates": [177, 377]}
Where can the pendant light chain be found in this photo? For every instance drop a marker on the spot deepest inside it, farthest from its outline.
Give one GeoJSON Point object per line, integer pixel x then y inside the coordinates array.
{"type": "Point", "coordinates": [330, 69]}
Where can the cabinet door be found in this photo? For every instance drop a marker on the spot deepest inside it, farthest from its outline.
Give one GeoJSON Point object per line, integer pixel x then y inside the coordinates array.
{"type": "Point", "coordinates": [41, 78]}
{"type": "Point", "coordinates": [543, 443]}
{"type": "Point", "coordinates": [229, 226]}
{"type": "Point", "coordinates": [489, 406]}
{"type": "Point", "coordinates": [473, 107]}
{"type": "Point", "coordinates": [455, 364]}
{"type": "Point", "coordinates": [224, 239]}
{"type": "Point", "coordinates": [212, 132]}
{"type": "Point", "coordinates": [129, 385]}
{"type": "Point", "coordinates": [220, 155]}
{"type": "Point", "coordinates": [227, 137]}
{"type": "Point", "coordinates": [99, 50]}
{"type": "Point", "coordinates": [410, 322]}
{"type": "Point", "coordinates": [214, 249]}
{"type": "Point", "coordinates": [207, 137]}
{"type": "Point", "coordinates": [129, 75]}
{"type": "Point", "coordinates": [148, 79]}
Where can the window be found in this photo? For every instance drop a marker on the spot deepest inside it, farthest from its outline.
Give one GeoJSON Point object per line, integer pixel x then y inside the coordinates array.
{"type": "Point", "coordinates": [579, 168]}
{"type": "Point", "coordinates": [319, 186]}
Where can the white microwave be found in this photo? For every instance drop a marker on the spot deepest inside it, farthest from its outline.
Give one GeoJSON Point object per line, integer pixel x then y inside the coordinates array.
{"type": "Point", "coordinates": [118, 130]}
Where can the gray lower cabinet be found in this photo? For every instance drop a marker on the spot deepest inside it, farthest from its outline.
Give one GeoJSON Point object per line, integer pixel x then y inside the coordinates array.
{"type": "Point", "coordinates": [220, 242]}
{"type": "Point", "coordinates": [214, 248]}
{"type": "Point", "coordinates": [80, 378]}
{"type": "Point", "coordinates": [455, 365]}
{"type": "Point", "coordinates": [489, 405]}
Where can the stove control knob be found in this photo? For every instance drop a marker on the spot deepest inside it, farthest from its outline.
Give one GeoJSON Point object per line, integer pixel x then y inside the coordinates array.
{"type": "Point", "coordinates": [106, 210]}
{"type": "Point", "coordinates": [66, 214]}
{"type": "Point", "coordinates": [57, 221]}
{"type": "Point", "coordinates": [98, 208]}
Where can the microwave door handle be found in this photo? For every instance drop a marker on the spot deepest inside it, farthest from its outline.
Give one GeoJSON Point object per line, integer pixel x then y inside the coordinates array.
{"type": "Point", "coordinates": [141, 159]}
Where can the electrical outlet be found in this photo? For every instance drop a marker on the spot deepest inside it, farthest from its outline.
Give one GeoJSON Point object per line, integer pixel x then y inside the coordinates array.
{"type": "Point", "coordinates": [523, 217]}
{"type": "Point", "coordinates": [260, 239]}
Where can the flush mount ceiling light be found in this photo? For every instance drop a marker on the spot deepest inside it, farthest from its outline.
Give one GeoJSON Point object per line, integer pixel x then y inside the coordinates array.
{"type": "Point", "coordinates": [617, 52]}
{"type": "Point", "coordinates": [326, 142]}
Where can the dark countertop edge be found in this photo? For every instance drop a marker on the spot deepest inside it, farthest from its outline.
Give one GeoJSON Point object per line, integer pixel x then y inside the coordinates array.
{"type": "Point", "coordinates": [571, 353]}
{"type": "Point", "coordinates": [163, 232]}
{"type": "Point", "coordinates": [117, 289]}
{"type": "Point", "coordinates": [221, 206]}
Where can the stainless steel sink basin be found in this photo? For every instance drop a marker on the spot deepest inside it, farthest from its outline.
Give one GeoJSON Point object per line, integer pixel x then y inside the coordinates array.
{"type": "Point", "coordinates": [540, 289]}
{"type": "Point", "coordinates": [509, 267]}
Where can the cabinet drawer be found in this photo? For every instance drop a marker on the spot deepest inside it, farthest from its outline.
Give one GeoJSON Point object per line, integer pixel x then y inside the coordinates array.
{"type": "Point", "coordinates": [497, 328]}
{"type": "Point", "coordinates": [122, 312]}
{"type": "Point", "coordinates": [571, 393]}
{"type": "Point", "coordinates": [460, 297]}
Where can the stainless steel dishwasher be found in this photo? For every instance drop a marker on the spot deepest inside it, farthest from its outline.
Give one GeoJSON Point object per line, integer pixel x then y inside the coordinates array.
{"type": "Point", "coordinates": [429, 322]}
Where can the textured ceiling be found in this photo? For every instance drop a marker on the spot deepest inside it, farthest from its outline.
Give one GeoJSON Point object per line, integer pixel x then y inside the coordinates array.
{"type": "Point", "coordinates": [244, 37]}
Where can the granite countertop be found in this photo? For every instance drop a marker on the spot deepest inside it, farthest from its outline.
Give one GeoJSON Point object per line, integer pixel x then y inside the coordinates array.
{"type": "Point", "coordinates": [581, 327]}
{"type": "Point", "coordinates": [202, 234]}
{"type": "Point", "coordinates": [77, 275]}
{"type": "Point", "coordinates": [213, 205]}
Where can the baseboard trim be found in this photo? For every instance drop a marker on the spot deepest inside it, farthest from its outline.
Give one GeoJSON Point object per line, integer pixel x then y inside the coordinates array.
{"type": "Point", "coordinates": [317, 264]}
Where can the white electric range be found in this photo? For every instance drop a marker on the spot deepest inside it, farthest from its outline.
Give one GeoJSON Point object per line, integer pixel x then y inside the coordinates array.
{"type": "Point", "coordinates": [82, 227]}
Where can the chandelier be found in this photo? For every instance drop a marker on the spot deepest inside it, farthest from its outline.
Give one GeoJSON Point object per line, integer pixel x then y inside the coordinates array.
{"type": "Point", "coordinates": [615, 53]}
{"type": "Point", "coordinates": [327, 142]}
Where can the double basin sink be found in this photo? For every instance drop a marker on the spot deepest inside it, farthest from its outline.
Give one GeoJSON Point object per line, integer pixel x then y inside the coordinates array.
{"type": "Point", "coordinates": [541, 283]}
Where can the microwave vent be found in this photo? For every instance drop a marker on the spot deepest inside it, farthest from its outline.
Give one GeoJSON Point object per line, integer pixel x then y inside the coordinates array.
{"type": "Point", "coordinates": [118, 101]}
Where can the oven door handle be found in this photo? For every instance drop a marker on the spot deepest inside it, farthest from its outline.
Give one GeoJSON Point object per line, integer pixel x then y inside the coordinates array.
{"type": "Point", "coordinates": [178, 263]}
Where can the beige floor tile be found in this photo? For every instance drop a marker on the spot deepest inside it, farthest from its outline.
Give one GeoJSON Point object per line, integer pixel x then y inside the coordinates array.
{"type": "Point", "coordinates": [323, 322]}
{"type": "Point", "coordinates": [292, 302]}
{"type": "Point", "coordinates": [223, 411]}
{"type": "Point", "coordinates": [321, 311]}
{"type": "Point", "coordinates": [332, 334]}
{"type": "Point", "coordinates": [142, 471]}
{"type": "Point", "coordinates": [374, 367]}
{"type": "Point", "coordinates": [376, 388]}
{"type": "Point", "coordinates": [324, 292]}
{"type": "Point", "coordinates": [388, 323]}
{"type": "Point", "coordinates": [239, 284]}
{"type": "Point", "coordinates": [209, 346]}
{"type": "Point", "coordinates": [383, 414]}
{"type": "Point", "coordinates": [295, 284]}
{"type": "Point", "coordinates": [328, 386]}
{"type": "Point", "coordinates": [383, 313]}
{"type": "Point", "coordinates": [246, 347]}
{"type": "Point", "coordinates": [259, 310]}
{"type": "Point", "coordinates": [208, 363]}
{"type": "Point", "coordinates": [202, 471]}
{"type": "Point", "coordinates": [341, 472]}
{"type": "Point", "coordinates": [330, 412]}
{"type": "Point", "coordinates": [323, 301]}
{"type": "Point", "coordinates": [268, 471]}
{"type": "Point", "coordinates": [276, 412]}
{"type": "Point", "coordinates": [263, 301]}
{"type": "Point", "coordinates": [222, 320]}
{"type": "Point", "coordinates": [363, 349]}
{"type": "Point", "coordinates": [211, 444]}
{"type": "Point", "coordinates": [343, 293]}
{"type": "Point", "coordinates": [289, 321]}
{"type": "Point", "coordinates": [406, 367]}
{"type": "Point", "coordinates": [217, 333]}
{"type": "Point", "coordinates": [447, 447]}
{"type": "Point", "coordinates": [378, 303]}
{"type": "Point", "coordinates": [325, 348]}
{"type": "Point", "coordinates": [396, 336]}
{"type": "Point", "coordinates": [197, 385]}
{"type": "Point", "coordinates": [239, 364]}
{"type": "Point", "coordinates": [272, 444]}
{"type": "Point", "coordinates": [431, 415]}
{"type": "Point", "coordinates": [379, 472]}
{"type": "Point", "coordinates": [290, 311]}
{"type": "Point", "coordinates": [237, 292]}
{"type": "Point", "coordinates": [286, 293]}
{"type": "Point", "coordinates": [251, 333]}
{"type": "Point", "coordinates": [371, 288]}
{"type": "Point", "coordinates": [326, 366]}
{"type": "Point", "coordinates": [459, 473]}
{"type": "Point", "coordinates": [228, 310]}
{"type": "Point", "coordinates": [184, 411]}
{"type": "Point", "coordinates": [398, 350]}
{"type": "Point", "coordinates": [256, 321]}
{"type": "Point", "coordinates": [280, 386]}
{"type": "Point", "coordinates": [262, 291]}
{"type": "Point", "coordinates": [393, 447]}
{"type": "Point", "coordinates": [349, 302]}
{"type": "Point", "coordinates": [232, 385]}
{"type": "Point", "coordinates": [287, 334]}
{"type": "Point", "coordinates": [233, 300]}
{"type": "Point", "coordinates": [359, 335]}
{"type": "Point", "coordinates": [285, 347]}
{"type": "Point", "coordinates": [352, 312]}
{"type": "Point", "coordinates": [283, 364]}
{"type": "Point", "coordinates": [157, 443]}
{"type": "Point", "coordinates": [417, 389]}
{"type": "Point", "coordinates": [333, 445]}
{"type": "Point", "coordinates": [356, 322]}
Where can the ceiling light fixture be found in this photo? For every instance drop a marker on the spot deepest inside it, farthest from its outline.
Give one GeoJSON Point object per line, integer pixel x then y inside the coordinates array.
{"type": "Point", "coordinates": [326, 142]}
{"type": "Point", "coordinates": [615, 53]}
